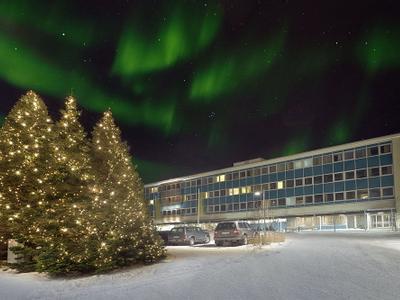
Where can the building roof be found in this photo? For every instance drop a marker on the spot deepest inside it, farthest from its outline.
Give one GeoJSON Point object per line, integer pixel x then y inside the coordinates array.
{"type": "Point", "coordinates": [258, 162]}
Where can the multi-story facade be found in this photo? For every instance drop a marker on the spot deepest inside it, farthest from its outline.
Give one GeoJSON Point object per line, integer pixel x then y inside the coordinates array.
{"type": "Point", "coordinates": [355, 185]}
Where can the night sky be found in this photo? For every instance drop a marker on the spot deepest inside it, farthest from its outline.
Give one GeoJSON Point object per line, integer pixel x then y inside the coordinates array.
{"type": "Point", "coordinates": [198, 85]}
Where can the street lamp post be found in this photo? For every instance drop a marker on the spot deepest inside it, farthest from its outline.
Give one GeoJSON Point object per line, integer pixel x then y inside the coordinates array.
{"type": "Point", "coordinates": [263, 207]}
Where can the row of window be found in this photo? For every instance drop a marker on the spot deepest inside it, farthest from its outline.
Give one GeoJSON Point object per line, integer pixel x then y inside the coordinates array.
{"type": "Point", "coordinates": [290, 183]}
{"type": "Point", "coordinates": [303, 200]}
{"type": "Point", "coordinates": [281, 167]}
{"type": "Point", "coordinates": [180, 211]}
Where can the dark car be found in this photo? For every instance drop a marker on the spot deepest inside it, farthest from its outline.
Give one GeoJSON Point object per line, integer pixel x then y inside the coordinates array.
{"type": "Point", "coordinates": [188, 235]}
{"type": "Point", "coordinates": [232, 232]}
{"type": "Point", "coordinates": [260, 228]}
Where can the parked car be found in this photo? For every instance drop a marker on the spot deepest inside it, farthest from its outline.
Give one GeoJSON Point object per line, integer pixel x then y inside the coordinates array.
{"type": "Point", "coordinates": [259, 228]}
{"type": "Point", "coordinates": [188, 235]}
{"type": "Point", "coordinates": [232, 232]}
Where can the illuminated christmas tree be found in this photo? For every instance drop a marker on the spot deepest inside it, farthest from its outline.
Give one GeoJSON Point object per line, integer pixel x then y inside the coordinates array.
{"type": "Point", "coordinates": [26, 171]}
{"type": "Point", "coordinates": [67, 223]}
{"type": "Point", "coordinates": [4, 231]}
{"type": "Point", "coordinates": [125, 234]}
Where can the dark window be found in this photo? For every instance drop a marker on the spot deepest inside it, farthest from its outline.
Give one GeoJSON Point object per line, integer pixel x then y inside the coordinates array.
{"type": "Point", "coordinates": [317, 179]}
{"type": "Point", "coordinates": [373, 151]}
{"type": "Point", "coordinates": [386, 170]}
{"type": "Point", "coordinates": [193, 210]}
{"type": "Point", "coordinates": [243, 206]}
{"type": "Point", "coordinates": [225, 226]}
{"type": "Point", "coordinates": [235, 175]}
{"type": "Point", "coordinates": [228, 177]}
{"type": "Point", "coordinates": [337, 157]}
{"type": "Point", "coordinates": [216, 208]}
{"type": "Point", "coordinates": [328, 178]}
{"type": "Point", "coordinates": [349, 155]}
{"type": "Point", "coordinates": [164, 212]}
{"type": "Point", "coordinates": [236, 206]}
{"type": "Point", "coordinates": [289, 183]}
{"type": "Point", "coordinates": [249, 173]}
{"type": "Point", "coordinates": [361, 173]}
{"type": "Point", "coordinates": [299, 182]}
{"type": "Point", "coordinates": [387, 191]}
{"type": "Point", "coordinates": [308, 180]}
{"type": "Point", "coordinates": [272, 169]}
{"type": "Point", "coordinates": [223, 193]}
{"type": "Point", "coordinates": [318, 198]}
{"type": "Point", "coordinates": [299, 201]}
{"type": "Point", "coordinates": [289, 166]}
{"type": "Point", "coordinates": [198, 182]}
{"type": "Point", "coordinates": [374, 193]}
{"type": "Point", "coordinates": [168, 212]}
{"type": "Point", "coordinates": [327, 159]}
{"type": "Point", "coordinates": [350, 195]}
{"type": "Point", "coordinates": [265, 187]}
{"type": "Point", "coordinates": [328, 197]}
{"type": "Point", "coordinates": [338, 176]}
{"type": "Point", "coordinates": [281, 202]}
{"type": "Point", "coordinates": [339, 196]}
{"type": "Point", "coordinates": [209, 180]}
{"type": "Point", "coordinates": [350, 175]}
{"type": "Point", "coordinates": [188, 211]}
{"type": "Point", "coordinates": [264, 170]}
{"type": "Point", "coordinates": [360, 153]}
{"type": "Point", "coordinates": [257, 172]}
{"type": "Point", "coordinates": [386, 148]}
{"type": "Point", "coordinates": [250, 205]}
{"type": "Point", "coordinates": [230, 207]}
{"type": "Point", "coordinates": [242, 174]}
{"type": "Point", "coordinates": [309, 199]}
{"type": "Point", "coordinates": [373, 172]}
{"type": "Point", "coordinates": [216, 194]}
{"type": "Point", "coordinates": [272, 185]}
{"type": "Point", "coordinates": [281, 167]}
{"type": "Point", "coordinates": [317, 160]}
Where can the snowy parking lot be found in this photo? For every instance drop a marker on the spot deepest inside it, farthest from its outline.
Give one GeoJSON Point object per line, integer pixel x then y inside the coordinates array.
{"type": "Point", "coordinates": [307, 266]}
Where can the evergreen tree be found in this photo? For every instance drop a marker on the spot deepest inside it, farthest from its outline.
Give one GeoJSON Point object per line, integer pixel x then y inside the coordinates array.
{"type": "Point", "coordinates": [4, 232]}
{"type": "Point", "coordinates": [67, 223]}
{"type": "Point", "coordinates": [125, 234]}
{"type": "Point", "coordinates": [26, 171]}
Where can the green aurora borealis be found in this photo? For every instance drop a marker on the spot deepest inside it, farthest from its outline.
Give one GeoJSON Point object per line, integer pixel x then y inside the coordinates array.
{"type": "Point", "coordinates": [197, 85]}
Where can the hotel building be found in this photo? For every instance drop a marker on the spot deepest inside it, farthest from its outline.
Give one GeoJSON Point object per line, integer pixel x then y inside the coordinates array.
{"type": "Point", "coordinates": [350, 186]}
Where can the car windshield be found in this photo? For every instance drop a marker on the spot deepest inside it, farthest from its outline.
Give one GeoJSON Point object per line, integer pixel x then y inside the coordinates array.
{"type": "Point", "coordinates": [177, 229]}
{"type": "Point", "coordinates": [225, 226]}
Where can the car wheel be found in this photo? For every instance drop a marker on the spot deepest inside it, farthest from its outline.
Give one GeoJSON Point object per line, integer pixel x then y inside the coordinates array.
{"type": "Point", "coordinates": [191, 241]}
{"type": "Point", "coordinates": [245, 240]}
{"type": "Point", "coordinates": [207, 239]}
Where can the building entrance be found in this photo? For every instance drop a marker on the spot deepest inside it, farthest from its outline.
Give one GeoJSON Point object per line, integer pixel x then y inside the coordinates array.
{"type": "Point", "coordinates": [380, 220]}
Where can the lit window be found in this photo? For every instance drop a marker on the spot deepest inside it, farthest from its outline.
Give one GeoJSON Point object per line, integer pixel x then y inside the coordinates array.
{"type": "Point", "coordinates": [236, 191]}
{"type": "Point", "coordinates": [362, 194]}
{"type": "Point", "coordinates": [280, 185]}
{"type": "Point", "coordinates": [220, 178]}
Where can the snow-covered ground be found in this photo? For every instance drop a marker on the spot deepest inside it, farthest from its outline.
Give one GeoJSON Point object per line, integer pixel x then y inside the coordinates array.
{"type": "Point", "coordinates": [306, 266]}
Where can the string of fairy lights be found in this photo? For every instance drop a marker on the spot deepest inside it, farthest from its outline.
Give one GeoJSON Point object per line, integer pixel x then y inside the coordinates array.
{"type": "Point", "coordinates": [71, 200]}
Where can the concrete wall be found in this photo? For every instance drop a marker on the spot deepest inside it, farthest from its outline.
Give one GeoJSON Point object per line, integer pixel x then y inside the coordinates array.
{"type": "Point", "coordinates": [396, 173]}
